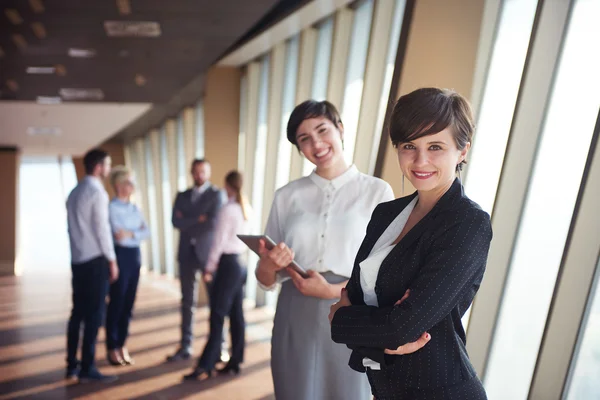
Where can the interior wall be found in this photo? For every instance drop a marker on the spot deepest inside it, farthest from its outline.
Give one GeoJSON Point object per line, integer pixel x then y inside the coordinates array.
{"type": "Point", "coordinates": [441, 52]}
{"type": "Point", "coordinates": [9, 169]}
{"type": "Point", "coordinates": [221, 120]}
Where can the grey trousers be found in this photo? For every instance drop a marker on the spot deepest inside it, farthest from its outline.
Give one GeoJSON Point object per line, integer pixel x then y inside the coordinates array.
{"type": "Point", "coordinates": [188, 277]}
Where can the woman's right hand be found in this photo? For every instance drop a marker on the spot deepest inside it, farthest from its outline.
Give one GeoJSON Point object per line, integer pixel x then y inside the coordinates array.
{"type": "Point", "coordinates": [275, 259]}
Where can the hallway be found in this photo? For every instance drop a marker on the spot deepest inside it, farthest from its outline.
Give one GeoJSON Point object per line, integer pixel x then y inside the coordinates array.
{"type": "Point", "coordinates": [33, 313]}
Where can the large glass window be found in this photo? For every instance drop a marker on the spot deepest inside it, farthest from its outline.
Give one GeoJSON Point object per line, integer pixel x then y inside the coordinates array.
{"type": "Point", "coordinates": [357, 61]}
{"type": "Point", "coordinates": [284, 155]}
{"type": "Point", "coordinates": [181, 161]}
{"type": "Point", "coordinates": [43, 237]}
{"type": "Point", "coordinates": [498, 103]}
{"type": "Point", "coordinates": [321, 71]}
{"type": "Point", "coordinates": [167, 201]}
{"type": "Point", "coordinates": [584, 383]}
{"type": "Point", "coordinates": [387, 80]}
{"type": "Point", "coordinates": [553, 189]}
{"type": "Point", "coordinates": [152, 207]}
{"type": "Point", "coordinates": [499, 99]}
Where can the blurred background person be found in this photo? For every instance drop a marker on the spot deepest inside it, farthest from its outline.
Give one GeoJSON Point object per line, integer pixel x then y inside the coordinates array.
{"type": "Point", "coordinates": [93, 263]}
{"type": "Point", "coordinates": [195, 215]}
{"type": "Point", "coordinates": [129, 229]}
{"type": "Point", "coordinates": [228, 276]}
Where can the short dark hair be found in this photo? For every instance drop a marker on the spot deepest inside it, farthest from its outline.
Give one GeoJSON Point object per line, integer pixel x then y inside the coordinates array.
{"type": "Point", "coordinates": [427, 111]}
{"type": "Point", "coordinates": [199, 161]}
{"type": "Point", "coordinates": [311, 109]}
{"type": "Point", "coordinates": [93, 158]}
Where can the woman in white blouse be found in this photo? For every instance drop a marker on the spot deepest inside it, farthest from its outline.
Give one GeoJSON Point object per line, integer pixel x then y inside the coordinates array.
{"type": "Point", "coordinates": [228, 276]}
{"type": "Point", "coordinates": [319, 221]}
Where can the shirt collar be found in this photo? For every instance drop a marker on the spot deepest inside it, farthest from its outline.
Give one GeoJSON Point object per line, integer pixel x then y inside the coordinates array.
{"type": "Point", "coordinates": [94, 180]}
{"type": "Point", "coordinates": [338, 182]}
{"type": "Point", "coordinates": [202, 188]}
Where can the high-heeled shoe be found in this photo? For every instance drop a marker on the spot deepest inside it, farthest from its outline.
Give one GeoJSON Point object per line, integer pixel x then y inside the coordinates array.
{"type": "Point", "coordinates": [116, 363]}
{"type": "Point", "coordinates": [199, 374]}
{"type": "Point", "coordinates": [229, 369]}
{"type": "Point", "coordinates": [126, 357]}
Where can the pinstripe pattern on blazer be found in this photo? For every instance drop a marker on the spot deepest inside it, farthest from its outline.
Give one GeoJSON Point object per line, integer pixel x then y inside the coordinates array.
{"type": "Point", "coordinates": [442, 261]}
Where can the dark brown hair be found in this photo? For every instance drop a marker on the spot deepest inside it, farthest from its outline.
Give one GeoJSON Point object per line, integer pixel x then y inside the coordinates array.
{"type": "Point", "coordinates": [311, 109]}
{"type": "Point", "coordinates": [235, 181]}
{"type": "Point", "coordinates": [428, 111]}
{"type": "Point", "coordinates": [92, 158]}
{"type": "Point", "coordinates": [198, 161]}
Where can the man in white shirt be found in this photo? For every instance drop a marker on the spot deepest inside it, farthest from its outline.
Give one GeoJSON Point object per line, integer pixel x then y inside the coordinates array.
{"type": "Point", "coordinates": [93, 264]}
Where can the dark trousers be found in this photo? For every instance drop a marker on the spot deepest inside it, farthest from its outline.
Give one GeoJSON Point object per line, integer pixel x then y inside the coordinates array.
{"type": "Point", "coordinates": [226, 297]}
{"type": "Point", "coordinates": [90, 285]}
{"type": "Point", "coordinates": [122, 296]}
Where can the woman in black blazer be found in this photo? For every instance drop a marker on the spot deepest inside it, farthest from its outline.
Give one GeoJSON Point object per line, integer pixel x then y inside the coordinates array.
{"type": "Point", "coordinates": [428, 249]}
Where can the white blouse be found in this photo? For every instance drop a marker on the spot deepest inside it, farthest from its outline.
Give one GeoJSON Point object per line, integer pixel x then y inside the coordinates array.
{"type": "Point", "coordinates": [230, 223]}
{"type": "Point", "coordinates": [325, 221]}
{"type": "Point", "coordinates": [369, 267]}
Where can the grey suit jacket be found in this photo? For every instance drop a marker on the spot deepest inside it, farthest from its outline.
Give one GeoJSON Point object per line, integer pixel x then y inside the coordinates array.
{"type": "Point", "coordinates": [196, 238]}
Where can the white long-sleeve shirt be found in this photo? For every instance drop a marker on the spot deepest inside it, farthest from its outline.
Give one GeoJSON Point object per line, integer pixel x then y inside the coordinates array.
{"type": "Point", "coordinates": [87, 217]}
{"type": "Point", "coordinates": [324, 221]}
{"type": "Point", "coordinates": [230, 223]}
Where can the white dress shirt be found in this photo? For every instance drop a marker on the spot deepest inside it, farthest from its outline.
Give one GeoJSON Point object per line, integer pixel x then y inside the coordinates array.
{"type": "Point", "coordinates": [230, 223]}
{"type": "Point", "coordinates": [369, 267]}
{"type": "Point", "coordinates": [87, 217]}
{"type": "Point", "coordinates": [324, 221]}
{"type": "Point", "coordinates": [197, 191]}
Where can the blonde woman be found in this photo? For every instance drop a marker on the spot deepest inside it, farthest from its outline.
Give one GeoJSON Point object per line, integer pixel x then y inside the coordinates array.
{"type": "Point", "coordinates": [228, 275]}
{"type": "Point", "coordinates": [129, 229]}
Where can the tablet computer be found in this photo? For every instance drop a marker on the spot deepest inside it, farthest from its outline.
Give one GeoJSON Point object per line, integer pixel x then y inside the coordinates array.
{"type": "Point", "coordinates": [252, 241]}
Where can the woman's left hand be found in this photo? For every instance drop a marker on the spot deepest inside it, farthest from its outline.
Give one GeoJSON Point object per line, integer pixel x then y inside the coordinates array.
{"type": "Point", "coordinates": [315, 285]}
{"type": "Point", "coordinates": [344, 302]}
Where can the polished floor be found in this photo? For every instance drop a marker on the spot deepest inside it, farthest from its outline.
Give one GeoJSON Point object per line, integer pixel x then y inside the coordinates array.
{"type": "Point", "coordinates": [33, 313]}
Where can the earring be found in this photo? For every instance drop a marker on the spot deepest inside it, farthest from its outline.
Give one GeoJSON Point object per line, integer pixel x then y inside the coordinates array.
{"type": "Point", "coordinates": [458, 169]}
{"type": "Point", "coordinates": [402, 184]}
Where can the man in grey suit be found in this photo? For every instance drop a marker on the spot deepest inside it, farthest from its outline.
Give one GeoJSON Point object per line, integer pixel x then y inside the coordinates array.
{"type": "Point", "coordinates": [195, 215]}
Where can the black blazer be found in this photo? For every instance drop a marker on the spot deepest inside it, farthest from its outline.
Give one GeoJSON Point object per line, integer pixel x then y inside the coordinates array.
{"type": "Point", "coordinates": [441, 260]}
{"type": "Point", "coordinates": [192, 232]}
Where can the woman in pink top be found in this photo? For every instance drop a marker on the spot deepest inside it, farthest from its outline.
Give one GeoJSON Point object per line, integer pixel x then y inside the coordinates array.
{"type": "Point", "coordinates": [228, 276]}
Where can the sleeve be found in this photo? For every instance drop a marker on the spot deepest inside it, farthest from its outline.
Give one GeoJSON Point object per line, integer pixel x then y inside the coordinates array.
{"type": "Point", "coordinates": [455, 262]}
{"type": "Point", "coordinates": [181, 223]}
{"type": "Point", "coordinates": [388, 193]}
{"type": "Point", "coordinates": [102, 224]}
{"type": "Point", "coordinates": [113, 216]}
{"type": "Point", "coordinates": [273, 230]}
{"type": "Point", "coordinates": [225, 224]}
{"type": "Point", "coordinates": [212, 214]}
{"type": "Point", "coordinates": [143, 232]}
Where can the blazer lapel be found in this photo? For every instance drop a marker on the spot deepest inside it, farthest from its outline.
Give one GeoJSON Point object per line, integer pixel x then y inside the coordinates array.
{"type": "Point", "coordinates": [381, 225]}
{"type": "Point", "coordinates": [427, 222]}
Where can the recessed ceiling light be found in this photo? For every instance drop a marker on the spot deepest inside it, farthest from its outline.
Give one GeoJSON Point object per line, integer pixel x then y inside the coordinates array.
{"type": "Point", "coordinates": [140, 80]}
{"type": "Point", "coordinates": [81, 94]}
{"type": "Point", "coordinates": [81, 53]}
{"type": "Point", "coordinates": [124, 7]}
{"type": "Point", "coordinates": [48, 100]}
{"type": "Point", "coordinates": [37, 6]}
{"type": "Point", "coordinates": [13, 16]}
{"type": "Point", "coordinates": [12, 85]}
{"type": "Point", "coordinates": [19, 41]}
{"type": "Point", "coordinates": [40, 70]}
{"type": "Point", "coordinates": [44, 131]}
{"type": "Point", "coordinates": [39, 30]}
{"type": "Point", "coordinates": [132, 28]}
{"type": "Point", "coordinates": [60, 70]}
